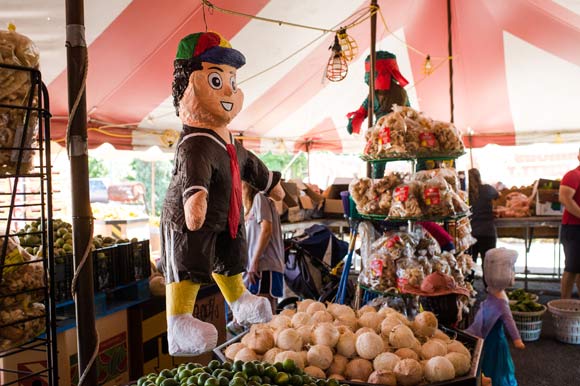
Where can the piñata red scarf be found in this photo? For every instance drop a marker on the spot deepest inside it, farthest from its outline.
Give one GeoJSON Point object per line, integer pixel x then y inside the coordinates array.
{"type": "Point", "coordinates": [236, 195]}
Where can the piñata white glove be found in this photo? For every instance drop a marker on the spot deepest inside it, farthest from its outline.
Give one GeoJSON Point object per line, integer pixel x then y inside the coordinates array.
{"type": "Point", "coordinates": [188, 336]}
{"type": "Point", "coordinates": [251, 309]}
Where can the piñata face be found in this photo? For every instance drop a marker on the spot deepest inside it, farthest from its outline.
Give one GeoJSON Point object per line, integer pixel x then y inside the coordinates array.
{"type": "Point", "coordinates": [216, 92]}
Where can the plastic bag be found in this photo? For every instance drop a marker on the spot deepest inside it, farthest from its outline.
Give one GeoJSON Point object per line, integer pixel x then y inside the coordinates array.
{"type": "Point", "coordinates": [409, 272]}
{"type": "Point", "coordinates": [437, 198]}
{"type": "Point", "coordinates": [13, 334]}
{"type": "Point", "coordinates": [449, 137]}
{"type": "Point", "coordinates": [406, 201]}
{"type": "Point", "coordinates": [387, 138]}
{"type": "Point", "coordinates": [16, 49]}
{"type": "Point", "coordinates": [427, 245]}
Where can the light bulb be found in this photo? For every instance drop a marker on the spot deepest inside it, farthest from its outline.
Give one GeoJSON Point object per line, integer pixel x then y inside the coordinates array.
{"type": "Point", "coordinates": [427, 66]}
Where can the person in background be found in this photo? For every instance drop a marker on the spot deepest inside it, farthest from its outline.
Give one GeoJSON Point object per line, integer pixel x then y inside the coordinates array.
{"type": "Point", "coordinates": [482, 223]}
{"type": "Point", "coordinates": [569, 196]}
{"type": "Point", "coordinates": [265, 269]}
{"type": "Point", "coordinates": [439, 233]}
{"type": "Point", "coordinates": [494, 316]}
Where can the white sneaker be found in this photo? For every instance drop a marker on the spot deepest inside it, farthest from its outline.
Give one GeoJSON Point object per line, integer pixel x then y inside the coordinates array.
{"type": "Point", "coordinates": [188, 336]}
{"type": "Point", "coordinates": [251, 309]}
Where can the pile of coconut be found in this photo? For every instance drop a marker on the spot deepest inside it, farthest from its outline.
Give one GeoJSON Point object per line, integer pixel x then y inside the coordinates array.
{"type": "Point", "coordinates": [334, 341]}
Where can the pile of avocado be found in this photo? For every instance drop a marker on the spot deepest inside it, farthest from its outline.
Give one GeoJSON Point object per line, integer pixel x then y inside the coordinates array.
{"type": "Point", "coordinates": [254, 373]}
{"type": "Point", "coordinates": [524, 301]}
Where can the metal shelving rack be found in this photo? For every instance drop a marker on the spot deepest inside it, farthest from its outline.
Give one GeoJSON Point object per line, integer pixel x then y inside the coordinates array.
{"type": "Point", "coordinates": [25, 199]}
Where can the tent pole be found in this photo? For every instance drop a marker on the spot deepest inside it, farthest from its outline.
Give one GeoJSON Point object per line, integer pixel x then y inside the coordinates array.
{"type": "Point", "coordinates": [371, 103]}
{"type": "Point", "coordinates": [450, 53]}
{"type": "Point", "coordinates": [153, 188]}
{"type": "Point", "coordinates": [81, 208]}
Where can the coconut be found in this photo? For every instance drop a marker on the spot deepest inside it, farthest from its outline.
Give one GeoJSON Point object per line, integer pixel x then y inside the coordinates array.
{"type": "Point", "coordinates": [456, 346]}
{"type": "Point", "coordinates": [406, 353]}
{"type": "Point", "coordinates": [304, 355]}
{"type": "Point", "coordinates": [365, 309]}
{"type": "Point", "coordinates": [369, 345]}
{"type": "Point", "coordinates": [280, 322]}
{"type": "Point", "coordinates": [295, 356]}
{"type": "Point", "coordinates": [383, 377]}
{"type": "Point", "coordinates": [322, 317]}
{"type": "Point", "coordinates": [441, 335]}
{"type": "Point", "coordinates": [289, 339]}
{"type": "Point", "coordinates": [320, 356]}
{"type": "Point", "coordinates": [390, 322]}
{"type": "Point", "coordinates": [346, 345]}
{"type": "Point", "coordinates": [342, 329]}
{"type": "Point", "coordinates": [340, 310]}
{"type": "Point", "coordinates": [245, 355]}
{"type": "Point", "coordinates": [386, 311]}
{"type": "Point", "coordinates": [270, 355]}
{"type": "Point", "coordinates": [315, 372]}
{"type": "Point", "coordinates": [259, 340]}
{"type": "Point", "coordinates": [372, 320]}
{"type": "Point", "coordinates": [438, 369]}
{"type": "Point", "coordinates": [338, 377]}
{"type": "Point", "coordinates": [433, 348]}
{"type": "Point", "coordinates": [358, 369]}
{"type": "Point", "coordinates": [460, 362]}
{"type": "Point", "coordinates": [315, 306]}
{"type": "Point", "coordinates": [325, 334]}
{"type": "Point", "coordinates": [408, 372]}
{"type": "Point", "coordinates": [401, 336]}
{"type": "Point", "coordinates": [233, 349]}
{"type": "Point", "coordinates": [305, 332]}
{"type": "Point", "coordinates": [288, 312]}
{"type": "Point", "coordinates": [300, 319]}
{"type": "Point", "coordinates": [349, 321]}
{"type": "Point", "coordinates": [362, 330]}
{"type": "Point", "coordinates": [303, 305]}
{"type": "Point", "coordinates": [416, 346]}
{"type": "Point", "coordinates": [425, 324]}
{"type": "Point", "coordinates": [386, 361]}
{"type": "Point", "coordinates": [338, 365]}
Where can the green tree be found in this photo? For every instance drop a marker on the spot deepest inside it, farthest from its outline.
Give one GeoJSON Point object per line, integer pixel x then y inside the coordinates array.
{"type": "Point", "coordinates": [298, 169]}
{"type": "Point", "coordinates": [97, 168]}
{"type": "Point", "coordinates": [141, 171]}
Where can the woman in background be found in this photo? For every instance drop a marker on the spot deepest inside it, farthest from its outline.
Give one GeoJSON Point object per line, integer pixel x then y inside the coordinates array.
{"type": "Point", "coordinates": [482, 221]}
{"type": "Point", "coordinates": [265, 269]}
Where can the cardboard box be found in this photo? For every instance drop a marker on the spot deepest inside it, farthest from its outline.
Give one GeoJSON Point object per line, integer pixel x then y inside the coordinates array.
{"type": "Point", "coordinates": [292, 197]}
{"type": "Point", "coordinates": [547, 198]}
{"type": "Point", "coordinates": [295, 214]}
{"type": "Point", "coordinates": [281, 208]}
{"type": "Point", "coordinates": [332, 206]}
{"type": "Point", "coordinates": [317, 199]}
{"type": "Point", "coordinates": [548, 208]}
{"type": "Point", "coordinates": [306, 202]}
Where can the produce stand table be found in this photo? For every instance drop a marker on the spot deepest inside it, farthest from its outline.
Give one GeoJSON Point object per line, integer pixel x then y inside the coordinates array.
{"type": "Point", "coordinates": [528, 228]}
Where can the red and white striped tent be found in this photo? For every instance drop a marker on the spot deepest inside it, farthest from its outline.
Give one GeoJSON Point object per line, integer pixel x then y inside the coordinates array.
{"type": "Point", "coordinates": [516, 66]}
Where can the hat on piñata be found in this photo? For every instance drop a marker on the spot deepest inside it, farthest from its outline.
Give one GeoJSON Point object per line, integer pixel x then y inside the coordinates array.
{"type": "Point", "coordinates": [209, 47]}
{"type": "Point", "coordinates": [385, 68]}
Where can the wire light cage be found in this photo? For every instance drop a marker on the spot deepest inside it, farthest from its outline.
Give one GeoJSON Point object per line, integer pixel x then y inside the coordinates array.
{"type": "Point", "coordinates": [348, 45]}
{"type": "Point", "coordinates": [337, 67]}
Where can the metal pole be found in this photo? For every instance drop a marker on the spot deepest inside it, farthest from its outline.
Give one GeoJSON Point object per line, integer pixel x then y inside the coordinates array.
{"type": "Point", "coordinates": [371, 100]}
{"type": "Point", "coordinates": [81, 209]}
{"type": "Point", "coordinates": [153, 188]}
{"type": "Point", "coordinates": [450, 50]}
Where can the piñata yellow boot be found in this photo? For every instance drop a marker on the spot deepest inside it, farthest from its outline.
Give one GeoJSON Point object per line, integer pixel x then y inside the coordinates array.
{"type": "Point", "coordinates": [186, 335]}
{"type": "Point", "coordinates": [247, 308]}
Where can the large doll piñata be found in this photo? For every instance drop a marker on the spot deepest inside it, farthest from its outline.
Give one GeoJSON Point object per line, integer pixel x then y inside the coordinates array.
{"type": "Point", "coordinates": [494, 317]}
{"type": "Point", "coordinates": [389, 91]}
{"type": "Point", "coordinates": [202, 232]}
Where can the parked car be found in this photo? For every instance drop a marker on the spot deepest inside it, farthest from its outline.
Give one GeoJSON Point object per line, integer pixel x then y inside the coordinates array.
{"type": "Point", "coordinates": [98, 190]}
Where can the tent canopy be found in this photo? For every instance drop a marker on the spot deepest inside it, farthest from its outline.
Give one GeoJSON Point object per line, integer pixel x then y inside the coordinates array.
{"type": "Point", "coordinates": [516, 67]}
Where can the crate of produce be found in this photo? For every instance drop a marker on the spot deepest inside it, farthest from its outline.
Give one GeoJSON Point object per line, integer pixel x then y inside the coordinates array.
{"type": "Point", "coordinates": [529, 323]}
{"type": "Point", "coordinates": [132, 261]}
{"type": "Point", "coordinates": [105, 275]}
{"type": "Point", "coordinates": [566, 315]}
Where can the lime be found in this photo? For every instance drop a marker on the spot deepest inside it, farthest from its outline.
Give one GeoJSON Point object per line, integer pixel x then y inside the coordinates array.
{"type": "Point", "coordinates": [227, 366]}
{"type": "Point", "coordinates": [191, 381]}
{"type": "Point", "coordinates": [267, 379]}
{"type": "Point", "coordinates": [238, 365]}
{"type": "Point", "coordinates": [296, 380]}
{"type": "Point", "coordinates": [191, 366]}
{"type": "Point", "coordinates": [270, 371]}
{"type": "Point", "coordinates": [255, 378]}
{"type": "Point", "coordinates": [260, 368]}
{"type": "Point", "coordinates": [241, 374]}
{"type": "Point", "coordinates": [169, 382]}
{"type": "Point", "coordinates": [159, 379]}
{"type": "Point", "coordinates": [141, 381]}
{"type": "Point", "coordinates": [289, 365]}
{"type": "Point", "coordinates": [320, 382]}
{"type": "Point", "coordinates": [223, 381]}
{"type": "Point", "coordinates": [166, 373]}
{"type": "Point", "coordinates": [332, 382]}
{"type": "Point", "coordinates": [197, 370]}
{"type": "Point", "coordinates": [185, 373]}
{"type": "Point", "coordinates": [249, 368]}
{"type": "Point", "coordinates": [279, 366]}
{"type": "Point", "coordinates": [207, 369]}
{"type": "Point", "coordinates": [237, 382]}
{"type": "Point", "coordinates": [214, 364]}
{"type": "Point", "coordinates": [252, 383]}
{"type": "Point", "coordinates": [228, 374]}
{"type": "Point", "coordinates": [282, 378]}
{"type": "Point", "coordinates": [201, 378]}
{"type": "Point", "coordinates": [216, 373]}
{"type": "Point", "coordinates": [152, 376]}
{"type": "Point", "coordinates": [212, 381]}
